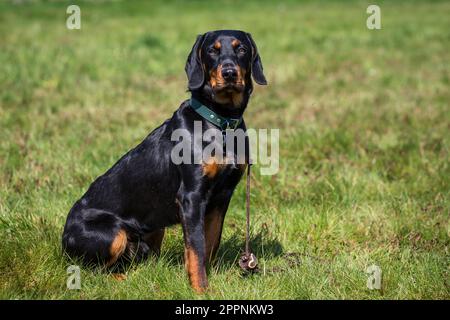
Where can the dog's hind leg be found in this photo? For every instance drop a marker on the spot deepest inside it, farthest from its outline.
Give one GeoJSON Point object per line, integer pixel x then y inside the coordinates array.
{"type": "Point", "coordinates": [117, 248]}
{"type": "Point", "coordinates": [154, 240]}
{"type": "Point", "coordinates": [99, 237]}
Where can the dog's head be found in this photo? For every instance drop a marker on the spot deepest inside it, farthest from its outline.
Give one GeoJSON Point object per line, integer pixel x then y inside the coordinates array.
{"type": "Point", "coordinates": [221, 64]}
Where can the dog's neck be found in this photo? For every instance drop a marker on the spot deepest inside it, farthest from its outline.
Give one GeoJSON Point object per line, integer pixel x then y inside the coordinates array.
{"type": "Point", "coordinates": [206, 96]}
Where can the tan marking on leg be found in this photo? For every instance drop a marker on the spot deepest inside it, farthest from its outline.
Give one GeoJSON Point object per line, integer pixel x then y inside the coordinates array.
{"type": "Point", "coordinates": [213, 231]}
{"type": "Point", "coordinates": [118, 246]}
{"type": "Point", "coordinates": [119, 276]}
{"type": "Point", "coordinates": [197, 276]}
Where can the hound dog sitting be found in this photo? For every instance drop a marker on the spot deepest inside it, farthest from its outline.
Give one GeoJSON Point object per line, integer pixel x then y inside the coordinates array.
{"type": "Point", "coordinates": [123, 214]}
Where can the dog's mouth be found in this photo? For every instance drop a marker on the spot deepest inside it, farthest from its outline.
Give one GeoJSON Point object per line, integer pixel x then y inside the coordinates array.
{"type": "Point", "coordinates": [229, 93]}
{"type": "Point", "coordinates": [229, 87]}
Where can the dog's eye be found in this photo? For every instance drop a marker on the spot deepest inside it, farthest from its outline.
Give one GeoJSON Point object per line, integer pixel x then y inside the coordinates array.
{"type": "Point", "coordinates": [241, 50]}
{"type": "Point", "coordinates": [212, 51]}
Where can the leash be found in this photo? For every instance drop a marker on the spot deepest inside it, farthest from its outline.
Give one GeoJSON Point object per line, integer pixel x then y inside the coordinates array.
{"type": "Point", "coordinates": [248, 261]}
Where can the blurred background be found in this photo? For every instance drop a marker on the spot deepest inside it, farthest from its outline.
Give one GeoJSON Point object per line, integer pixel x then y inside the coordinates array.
{"type": "Point", "coordinates": [364, 140]}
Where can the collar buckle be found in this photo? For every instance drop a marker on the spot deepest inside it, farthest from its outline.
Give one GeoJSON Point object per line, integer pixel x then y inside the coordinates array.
{"type": "Point", "coordinates": [209, 115]}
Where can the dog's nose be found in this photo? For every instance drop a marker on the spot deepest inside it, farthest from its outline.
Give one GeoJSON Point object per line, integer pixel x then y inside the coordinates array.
{"type": "Point", "coordinates": [229, 73]}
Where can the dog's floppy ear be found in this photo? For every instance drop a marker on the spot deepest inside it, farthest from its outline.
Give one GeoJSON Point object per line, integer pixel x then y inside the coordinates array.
{"type": "Point", "coordinates": [194, 68]}
{"type": "Point", "coordinates": [257, 68]}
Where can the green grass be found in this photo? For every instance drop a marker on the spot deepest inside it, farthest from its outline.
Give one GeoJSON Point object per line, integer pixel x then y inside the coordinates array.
{"type": "Point", "coordinates": [364, 124]}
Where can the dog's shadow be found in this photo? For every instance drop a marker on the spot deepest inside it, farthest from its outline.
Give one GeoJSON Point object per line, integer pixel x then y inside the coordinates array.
{"type": "Point", "coordinates": [231, 249]}
{"type": "Point", "coordinates": [261, 244]}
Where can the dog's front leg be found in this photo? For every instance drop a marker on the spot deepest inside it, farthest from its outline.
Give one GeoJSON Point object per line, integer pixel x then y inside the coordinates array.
{"type": "Point", "coordinates": [192, 213]}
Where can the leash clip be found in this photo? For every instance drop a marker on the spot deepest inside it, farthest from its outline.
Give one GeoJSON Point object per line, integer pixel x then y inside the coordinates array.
{"type": "Point", "coordinates": [248, 262]}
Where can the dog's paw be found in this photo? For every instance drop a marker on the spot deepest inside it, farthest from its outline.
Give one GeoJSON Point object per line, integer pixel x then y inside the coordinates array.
{"type": "Point", "coordinates": [119, 276]}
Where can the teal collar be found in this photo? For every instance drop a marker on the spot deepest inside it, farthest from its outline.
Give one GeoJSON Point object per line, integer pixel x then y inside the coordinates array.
{"type": "Point", "coordinates": [209, 115]}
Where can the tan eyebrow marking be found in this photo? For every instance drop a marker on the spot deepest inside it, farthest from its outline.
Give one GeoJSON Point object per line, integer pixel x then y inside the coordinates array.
{"type": "Point", "coordinates": [235, 43]}
{"type": "Point", "coordinates": [217, 45]}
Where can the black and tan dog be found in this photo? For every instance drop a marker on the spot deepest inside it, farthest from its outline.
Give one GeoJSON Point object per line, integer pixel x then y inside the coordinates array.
{"type": "Point", "coordinates": [123, 214]}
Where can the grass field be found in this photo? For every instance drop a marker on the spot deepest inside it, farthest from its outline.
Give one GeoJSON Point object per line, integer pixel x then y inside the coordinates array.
{"type": "Point", "coordinates": [364, 123]}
